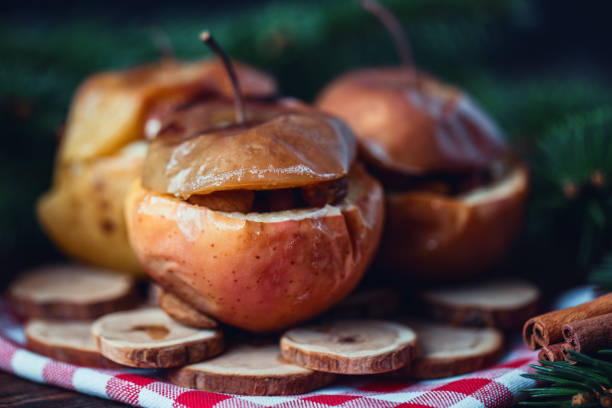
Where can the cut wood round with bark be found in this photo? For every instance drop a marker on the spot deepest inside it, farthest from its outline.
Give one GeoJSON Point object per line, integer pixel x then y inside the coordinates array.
{"type": "Point", "coordinates": [71, 292]}
{"type": "Point", "coordinates": [149, 338]}
{"type": "Point", "coordinates": [250, 370]}
{"type": "Point", "coordinates": [369, 303]}
{"type": "Point", "coordinates": [153, 294]}
{"type": "Point", "coordinates": [447, 351]}
{"type": "Point", "coordinates": [350, 346]}
{"type": "Point", "coordinates": [183, 312]}
{"type": "Point", "coordinates": [501, 303]}
{"type": "Point", "coordinates": [69, 341]}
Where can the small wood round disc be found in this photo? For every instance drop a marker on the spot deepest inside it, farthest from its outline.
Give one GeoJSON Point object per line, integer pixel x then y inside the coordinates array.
{"type": "Point", "coordinates": [153, 294]}
{"type": "Point", "coordinates": [184, 312]}
{"type": "Point", "coordinates": [446, 351]}
{"type": "Point", "coordinates": [250, 370]}
{"type": "Point", "coordinates": [71, 292]}
{"type": "Point", "coordinates": [350, 346]}
{"type": "Point", "coordinates": [370, 304]}
{"type": "Point", "coordinates": [502, 303]}
{"type": "Point", "coordinates": [69, 341]}
{"type": "Point", "coordinates": [149, 338]}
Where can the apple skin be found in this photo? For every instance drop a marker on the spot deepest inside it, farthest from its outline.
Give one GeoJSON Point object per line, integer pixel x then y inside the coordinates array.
{"type": "Point", "coordinates": [433, 237]}
{"type": "Point", "coordinates": [412, 125]}
{"type": "Point", "coordinates": [83, 212]}
{"type": "Point", "coordinates": [259, 272]}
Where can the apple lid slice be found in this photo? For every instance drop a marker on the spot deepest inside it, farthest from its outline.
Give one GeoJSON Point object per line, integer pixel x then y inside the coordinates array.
{"type": "Point", "coordinates": [183, 312]}
{"type": "Point", "coordinates": [149, 338]}
{"type": "Point", "coordinates": [502, 303]}
{"type": "Point", "coordinates": [250, 370]}
{"type": "Point", "coordinates": [69, 341]}
{"type": "Point", "coordinates": [277, 147]}
{"type": "Point", "coordinates": [350, 346]}
{"type": "Point", "coordinates": [446, 351]}
{"type": "Point", "coordinates": [109, 108]}
{"type": "Point", "coordinates": [289, 150]}
{"type": "Point", "coordinates": [71, 292]}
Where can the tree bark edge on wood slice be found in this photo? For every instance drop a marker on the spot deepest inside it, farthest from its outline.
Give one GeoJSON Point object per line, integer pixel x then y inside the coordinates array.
{"type": "Point", "coordinates": [436, 363]}
{"type": "Point", "coordinates": [443, 308]}
{"type": "Point", "coordinates": [58, 292]}
{"type": "Point", "coordinates": [392, 346]}
{"type": "Point", "coordinates": [59, 348]}
{"type": "Point", "coordinates": [183, 312]}
{"type": "Point", "coordinates": [289, 380]}
{"type": "Point", "coordinates": [140, 338]}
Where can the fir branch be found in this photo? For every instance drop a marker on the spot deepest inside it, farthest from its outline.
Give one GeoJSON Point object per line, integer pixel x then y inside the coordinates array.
{"type": "Point", "coordinates": [602, 274]}
{"type": "Point", "coordinates": [572, 210]}
{"type": "Point", "coordinates": [583, 381]}
{"type": "Point", "coordinates": [580, 146]}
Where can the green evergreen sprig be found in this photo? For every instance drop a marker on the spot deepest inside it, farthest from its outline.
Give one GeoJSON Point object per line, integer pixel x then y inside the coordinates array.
{"type": "Point", "coordinates": [602, 274]}
{"type": "Point", "coordinates": [583, 381]}
{"type": "Point", "coordinates": [570, 219]}
{"type": "Point", "coordinates": [578, 149]}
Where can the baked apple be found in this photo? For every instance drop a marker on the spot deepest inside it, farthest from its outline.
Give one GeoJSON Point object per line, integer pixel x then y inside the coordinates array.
{"type": "Point", "coordinates": [112, 117]}
{"type": "Point", "coordinates": [455, 197]}
{"type": "Point", "coordinates": [261, 223]}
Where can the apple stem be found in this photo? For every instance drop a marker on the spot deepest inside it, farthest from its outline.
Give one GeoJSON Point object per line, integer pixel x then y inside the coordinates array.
{"type": "Point", "coordinates": [209, 40]}
{"type": "Point", "coordinates": [163, 44]}
{"type": "Point", "coordinates": [393, 26]}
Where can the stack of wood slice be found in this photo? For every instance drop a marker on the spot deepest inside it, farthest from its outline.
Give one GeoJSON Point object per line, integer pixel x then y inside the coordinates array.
{"type": "Point", "coordinates": [90, 317]}
{"type": "Point", "coordinates": [71, 292]}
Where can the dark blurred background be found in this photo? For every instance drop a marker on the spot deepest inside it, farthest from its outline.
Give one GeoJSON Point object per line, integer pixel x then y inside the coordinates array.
{"type": "Point", "coordinates": [534, 65]}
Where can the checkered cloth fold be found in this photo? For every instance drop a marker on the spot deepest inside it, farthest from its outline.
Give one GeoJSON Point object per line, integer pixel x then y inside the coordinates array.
{"type": "Point", "coordinates": [498, 386]}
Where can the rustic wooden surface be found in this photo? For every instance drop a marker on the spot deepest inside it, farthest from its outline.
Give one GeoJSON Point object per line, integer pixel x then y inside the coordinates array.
{"type": "Point", "coordinates": [16, 392]}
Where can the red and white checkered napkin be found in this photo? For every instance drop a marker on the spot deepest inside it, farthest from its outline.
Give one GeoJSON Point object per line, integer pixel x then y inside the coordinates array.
{"type": "Point", "coordinates": [495, 387]}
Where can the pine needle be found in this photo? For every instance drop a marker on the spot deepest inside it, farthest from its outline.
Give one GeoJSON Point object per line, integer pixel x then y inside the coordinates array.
{"type": "Point", "coordinates": [564, 380]}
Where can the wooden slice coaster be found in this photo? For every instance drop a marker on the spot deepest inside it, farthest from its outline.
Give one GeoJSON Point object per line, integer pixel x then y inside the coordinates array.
{"type": "Point", "coordinates": [250, 370]}
{"type": "Point", "coordinates": [446, 351]}
{"type": "Point", "coordinates": [350, 346]}
{"type": "Point", "coordinates": [69, 341]}
{"type": "Point", "coordinates": [153, 294]}
{"type": "Point", "coordinates": [149, 338]}
{"type": "Point", "coordinates": [184, 312]}
{"type": "Point", "coordinates": [503, 303]}
{"type": "Point", "coordinates": [372, 303]}
{"type": "Point", "coordinates": [71, 292]}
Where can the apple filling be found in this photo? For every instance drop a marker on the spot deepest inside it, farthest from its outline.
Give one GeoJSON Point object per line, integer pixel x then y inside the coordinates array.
{"type": "Point", "coordinates": [444, 183]}
{"type": "Point", "coordinates": [262, 201]}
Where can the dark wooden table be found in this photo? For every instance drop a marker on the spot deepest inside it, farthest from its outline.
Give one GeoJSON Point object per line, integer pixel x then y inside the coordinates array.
{"type": "Point", "coordinates": [17, 392]}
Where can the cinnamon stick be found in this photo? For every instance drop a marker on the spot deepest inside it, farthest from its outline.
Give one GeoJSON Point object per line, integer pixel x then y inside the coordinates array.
{"type": "Point", "coordinates": [554, 352]}
{"type": "Point", "coordinates": [546, 329]}
{"type": "Point", "coordinates": [589, 335]}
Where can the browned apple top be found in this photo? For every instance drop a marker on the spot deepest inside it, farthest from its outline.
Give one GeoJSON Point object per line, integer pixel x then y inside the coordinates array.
{"type": "Point", "coordinates": [409, 122]}
{"type": "Point", "coordinates": [282, 145]}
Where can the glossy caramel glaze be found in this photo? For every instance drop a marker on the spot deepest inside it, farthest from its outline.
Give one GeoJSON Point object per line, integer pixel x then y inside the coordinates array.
{"type": "Point", "coordinates": [283, 144]}
{"type": "Point", "coordinates": [411, 123]}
